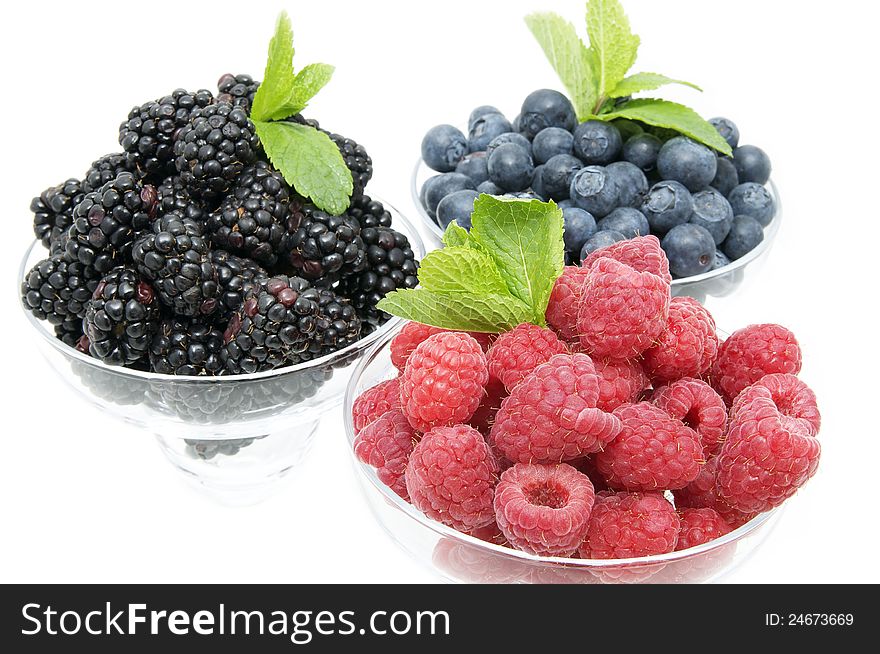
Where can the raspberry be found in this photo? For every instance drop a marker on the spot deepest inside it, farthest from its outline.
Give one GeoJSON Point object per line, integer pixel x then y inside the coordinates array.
{"type": "Point", "coordinates": [484, 416]}
{"type": "Point", "coordinates": [698, 406]}
{"type": "Point", "coordinates": [702, 493]}
{"type": "Point", "coordinates": [653, 452]}
{"type": "Point", "coordinates": [642, 253]}
{"type": "Point", "coordinates": [444, 381]}
{"type": "Point", "coordinates": [627, 525]}
{"type": "Point", "coordinates": [620, 382]}
{"type": "Point", "coordinates": [687, 347]}
{"type": "Point", "coordinates": [767, 455]}
{"type": "Point", "coordinates": [551, 415]}
{"type": "Point", "coordinates": [518, 352]}
{"type": "Point", "coordinates": [751, 353]}
{"type": "Point", "coordinates": [451, 477]}
{"type": "Point", "coordinates": [792, 397]}
{"type": "Point", "coordinates": [375, 401]}
{"type": "Point", "coordinates": [622, 311]}
{"type": "Point", "coordinates": [544, 509]}
{"type": "Point", "coordinates": [413, 333]}
{"type": "Point", "coordinates": [700, 526]}
{"type": "Point", "coordinates": [475, 564]}
{"type": "Point", "coordinates": [562, 310]}
{"type": "Point", "coordinates": [386, 444]}
{"type": "Point", "coordinates": [490, 533]}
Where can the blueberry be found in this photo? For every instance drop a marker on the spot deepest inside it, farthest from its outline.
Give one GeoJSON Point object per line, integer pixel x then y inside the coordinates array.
{"type": "Point", "coordinates": [752, 164]}
{"type": "Point", "coordinates": [642, 150]}
{"type": "Point", "coordinates": [550, 142]}
{"type": "Point", "coordinates": [600, 240]}
{"type": "Point", "coordinates": [557, 174]}
{"type": "Point", "coordinates": [712, 211]}
{"type": "Point", "coordinates": [565, 204]}
{"type": "Point", "coordinates": [690, 250]}
{"type": "Point", "coordinates": [480, 111]}
{"type": "Point", "coordinates": [486, 128]}
{"type": "Point", "coordinates": [725, 176]}
{"type": "Point", "coordinates": [688, 162]}
{"type": "Point", "coordinates": [490, 188]}
{"type": "Point", "coordinates": [728, 130]}
{"type": "Point", "coordinates": [668, 204]}
{"type": "Point", "coordinates": [457, 206]}
{"type": "Point", "coordinates": [745, 234]}
{"type": "Point", "coordinates": [753, 200]}
{"type": "Point", "coordinates": [631, 183]}
{"type": "Point", "coordinates": [516, 123]}
{"type": "Point", "coordinates": [537, 185]}
{"type": "Point", "coordinates": [475, 166]}
{"type": "Point", "coordinates": [443, 147]}
{"type": "Point", "coordinates": [511, 167]}
{"type": "Point", "coordinates": [545, 108]}
{"type": "Point", "coordinates": [579, 226]}
{"type": "Point", "coordinates": [509, 137]}
{"type": "Point", "coordinates": [521, 195]}
{"type": "Point", "coordinates": [439, 186]}
{"type": "Point", "coordinates": [627, 128]}
{"type": "Point", "coordinates": [626, 220]}
{"type": "Point", "coordinates": [721, 260]}
{"type": "Point", "coordinates": [593, 189]}
{"type": "Point", "coordinates": [597, 142]}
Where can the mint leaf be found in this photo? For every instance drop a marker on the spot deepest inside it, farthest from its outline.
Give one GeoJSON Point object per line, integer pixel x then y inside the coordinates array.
{"type": "Point", "coordinates": [461, 269]}
{"type": "Point", "coordinates": [645, 82]}
{"type": "Point", "coordinates": [568, 56]}
{"type": "Point", "coordinates": [671, 115]}
{"type": "Point", "coordinates": [524, 238]}
{"type": "Point", "coordinates": [457, 311]}
{"type": "Point", "coordinates": [278, 79]}
{"type": "Point", "coordinates": [456, 235]}
{"type": "Point", "coordinates": [306, 85]}
{"type": "Point", "coordinates": [612, 41]}
{"type": "Point", "coordinates": [310, 162]}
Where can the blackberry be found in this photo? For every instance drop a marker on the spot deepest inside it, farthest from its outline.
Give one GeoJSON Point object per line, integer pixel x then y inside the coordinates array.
{"type": "Point", "coordinates": [391, 264]}
{"type": "Point", "coordinates": [186, 347]}
{"type": "Point", "coordinates": [275, 322]}
{"type": "Point", "coordinates": [121, 318]}
{"type": "Point", "coordinates": [337, 327]}
{"type": "Point", "coordinates": [356, 160]}
{"type": "Point", "coordinates": [369, 212]}
{"type": "Point", "coordinates": [174, 196]}
{"type": "Point", "coordinates": [254, 218]}
{"type": "Point", "coordinates": [324, 247]}
{"type": "Point", "coordinates": [104, 170]}
{"type": "Point", "coordinates": [106, 222]}
{"type": "Point", "coordinates": [57, 291]}
{"type": "Point", "coordinates": [213, 147]}
{"type": "Point", "coordinates": [53, 210]}
{"type": "Point", "coordinates": [177, 260]}
{"type": "Point", "coordinates": [148, 135]}
{"type": "Point", "coordinates": [237, 90]}
{"type": "Point", "coordinates": [110, 386]}
{"type": "Point", "coordinates": [236, 278]}
{"type": "Point", "coordinates": [208, 449]}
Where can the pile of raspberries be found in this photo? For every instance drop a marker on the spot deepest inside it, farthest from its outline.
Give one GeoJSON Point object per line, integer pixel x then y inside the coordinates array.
{"type": "Point", "coordinates": [625, 429]}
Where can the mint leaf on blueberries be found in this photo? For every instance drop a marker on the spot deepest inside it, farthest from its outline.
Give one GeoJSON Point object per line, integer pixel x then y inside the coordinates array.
{"type": "Point", "coordinates": [278, 79]}
{"type": "Point", "coordinates": [456, 235]}
{"type": "Point", "coordinates": [612, 41]}
{"type": "Point", "coordinates": [457, 311]}
{"type": "Point", "coordinates": [645, 82]}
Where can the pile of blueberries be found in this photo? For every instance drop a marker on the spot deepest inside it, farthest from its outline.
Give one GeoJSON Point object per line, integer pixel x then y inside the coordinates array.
{"type": "Point", "coordinates": [613, 180]}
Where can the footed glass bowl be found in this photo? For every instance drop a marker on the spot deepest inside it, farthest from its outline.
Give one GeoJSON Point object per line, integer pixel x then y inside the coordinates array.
{"type": "Point", "coordinates": [715, 283]}
{"type": "Point", "coordinates": [235, 437]}
{"type": "Point", "coordinates": [457, 557]}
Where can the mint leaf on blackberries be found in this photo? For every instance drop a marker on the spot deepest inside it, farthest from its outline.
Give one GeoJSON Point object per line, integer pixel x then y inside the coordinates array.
{"type": "Point", "coordinates": [271, 98]}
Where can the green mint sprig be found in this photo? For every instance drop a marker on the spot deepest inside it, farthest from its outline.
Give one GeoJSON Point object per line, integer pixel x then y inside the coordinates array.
{"type": "Point", "coordinates": [307, 158]}
{"type": "Point", "coordinates": [595, 75]}
{"type": "Point", "coordinates": [494, 277]}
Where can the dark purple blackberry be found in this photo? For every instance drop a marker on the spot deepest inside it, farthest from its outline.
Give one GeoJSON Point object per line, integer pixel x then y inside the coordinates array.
{"type": "Point", "coordinates": [324, 247]}
{"type": "Point", "coordinates": [356, 160]}
{"type": "Point", "coordinates": [104, 170]}
{"type": "Point", "coordinates": [237, 90]}
{"type": "Point", "coordinates": [391, 264]}
{"type": "Point", "coordinates": [369, 212]}
{"type": "Point", "coordinates": [57, 291]}
{"type": "Point", "coordinates": [177, 260]}
{"type": "Point", "coordinates": [174, 196]}
{"type": "Point", "coordinates": [186, 347]}
{"type": "Point", "coordinates": [148, 135]}
{"type": "Point", "coordinates": [212, 149]}
{"type": "Point", "coordinates": [107, 221]}
{"type": "Point", "coordinates": [236, 277]}
{"type": "Point", "coordinates": [254, 218]}
{"type": "Point", "coordinates": [121, 318]}
{"type": "Point", "coordinates": [53, 210]}
{"type": "Point", "coordinates": [276, 322]}
{"type": "Point", "coordinates": [338, 326]}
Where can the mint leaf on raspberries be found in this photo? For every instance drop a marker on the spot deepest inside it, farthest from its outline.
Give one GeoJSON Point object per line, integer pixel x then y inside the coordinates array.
{"type": "Point", "coordinates": [278, 79]}
{"type": "Point", "coordinates": [457, 311]}
{"type": "Point", "coordinates": [645, 82]}
{"type": "Point", "coordinates": [461, 270]}
{"type": "Point", "coordinates": [612, 41]}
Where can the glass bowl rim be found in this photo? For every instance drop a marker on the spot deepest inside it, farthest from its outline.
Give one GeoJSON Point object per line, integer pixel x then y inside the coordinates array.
{"type": "Point", "coordinates": [448, 532]}
{"type": "Point", "coordinates": [412, 234]}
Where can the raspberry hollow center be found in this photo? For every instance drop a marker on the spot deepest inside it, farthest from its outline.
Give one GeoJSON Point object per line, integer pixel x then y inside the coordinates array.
{"type": "Point", "coordinates": [547, 495]}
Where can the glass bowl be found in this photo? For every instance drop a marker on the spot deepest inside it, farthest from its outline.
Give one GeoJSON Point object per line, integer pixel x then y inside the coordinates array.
{"type": "Point", "coordinates": [715, 283]}
{"type": "Point", "coordinates": [458, 557]}
{"type": "Point", "coordinates": [234, 437]}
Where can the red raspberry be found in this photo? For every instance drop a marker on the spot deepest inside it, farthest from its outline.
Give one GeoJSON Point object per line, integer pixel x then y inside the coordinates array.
{"type": "Point", "coordinates": [562, 311]}
{"type": "Point", "coordinates": [451, 477]}
{"type": "Point", "coordinates": [386, 444]}
{"type": "Point", "coordinates": [413, 333]}
{"type": "Point", "coordinates": [792, 397]}
{"type": "Point", "coordinates": [476, 564]}
{"type": "Point", "coordinates": [751, 353]}
{"type": "Point", "coordinates": [698, 406]}
{"type": "Point", "coordinates": [516, 353]}
{"type": "Point", "coordinates": [700, 526]}
{"type": "Point", "coordinates": [375, 401]}
{"type": "Point", "coordinates": [544, 509]}
{"type": "Point", "coordinates": [444, 381]}
{"type": "Point", "coordinates": [687, 347]}
{"type": "Point", "coordinates": [551, 417]}
{"type": "Point", "coordinates": [767, 455]}
{"type": "Point", "coordinates": [622, 311]}
{"type": "Point", "coordinates": [628, 525]}
{"type": "Point", "coordinates": [653, 452]}
{"type": "Point", "coordinates": [642, 253]}
{"type": "Point", "coordinates": [702, 493]}
{"type": "Point", "coordinates": [620, 382]}
{"type": "Point", "coordinates": [484, 416]}
{"type": "Point", "coordinates": [490, 533]}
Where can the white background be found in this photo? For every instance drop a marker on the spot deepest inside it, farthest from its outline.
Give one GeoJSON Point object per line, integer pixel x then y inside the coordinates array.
{"type": "Point", "coordinates": [84, 498]}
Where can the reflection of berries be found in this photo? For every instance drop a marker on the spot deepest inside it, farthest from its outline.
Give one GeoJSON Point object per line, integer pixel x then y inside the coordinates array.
{"type": "Point", "coordinates": [625, 525]}
{"type": "Point", "coordinates": [565, 300]}
{"type": "Point", "coordinates": [57, 291]}
{"type": "Point", "coordinates": [687, 347]}
{"type": "Point", "coordinates": [386, 444]}
{"type": "Point", "coordinates": [700, 526]}
{"type": "Point", "coordinates": [699, 407]}
{"type": "Point", "coordinates": [324, 247]}
{"type": "Point", "coordinates": [375, 401]}
{"type": "Point", "coordinates": [186, 347]}
{"type": "Point", "coordinates": [237, 90]}
{"type": "Point", "coordinates": [620, 382]}
{"type": "Point", "coordinates": [53, 210]}
{"type": "Point", "coordinates": [518, 352]}
{"type": "Point", "coordinates": [792, 397]}
{"type": "Point", "coordinates": [642, 253]}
